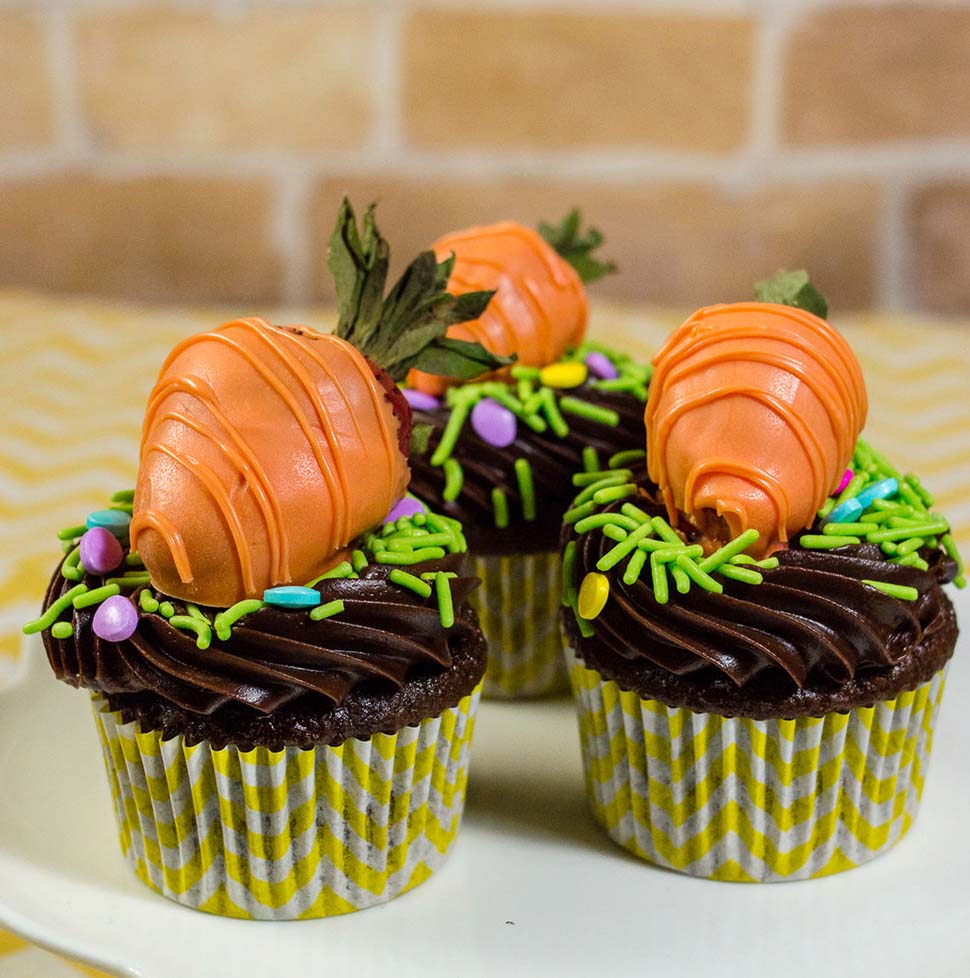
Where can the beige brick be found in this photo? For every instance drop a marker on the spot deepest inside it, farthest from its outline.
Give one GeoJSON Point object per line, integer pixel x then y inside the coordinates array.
{"type": "Point", "coordinates": [156, 238]}
{"type": "Point", "coordinates": [676, 244]}
{"type": "Point", "coordinates": [939, 229]}
{"type": "Point", "coordinates": [880, 73]}
{"type": "Point", "coordinates": [561, 80]}
{"type": "Point", "coordinates": [26, 111]}
{"type": "Point", "coordinates": [192, 80]}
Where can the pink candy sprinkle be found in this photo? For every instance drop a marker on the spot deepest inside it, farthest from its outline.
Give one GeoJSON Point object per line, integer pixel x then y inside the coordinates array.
{"type": "Point", "coordinates": [405, 507]}
{"type": "Point", "coordinates": [846, 479]}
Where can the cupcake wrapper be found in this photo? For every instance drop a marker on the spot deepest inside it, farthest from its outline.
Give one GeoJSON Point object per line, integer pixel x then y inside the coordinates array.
{"type": "Point", "coordinates": [753, 800]}
{"type": "Point", "coordinates": [518, 606]}
{"type": "Point", "coordinates": [282, 835]}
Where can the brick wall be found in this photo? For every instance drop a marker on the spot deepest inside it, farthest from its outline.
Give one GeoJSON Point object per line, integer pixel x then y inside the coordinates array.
{"type": "Point", "coordinates": [197, 150]}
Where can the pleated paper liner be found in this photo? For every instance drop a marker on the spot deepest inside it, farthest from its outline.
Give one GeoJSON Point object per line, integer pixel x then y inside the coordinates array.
{"type": "Point", "coordinates": [290, 834]}
{"type": "Point", "coordinates": [753, 800]}
{"type": "Point", "coordinates": [518, 606]}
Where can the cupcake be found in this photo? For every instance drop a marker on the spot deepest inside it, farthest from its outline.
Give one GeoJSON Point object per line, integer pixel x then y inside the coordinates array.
{"type": "Point", "coordinates": [756, 624]}
{"type": "Point", "coordinates": [503, 448]}
{"type": "Point", "coordinates": [283, 662]}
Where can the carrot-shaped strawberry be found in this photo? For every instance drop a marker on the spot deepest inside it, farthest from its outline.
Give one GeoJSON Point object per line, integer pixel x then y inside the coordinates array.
{"type": "Point", "coordinates": [753, 415]}
{"type": "Point", "coordinates": [266, 449]}
{"type": "Point", "coordinates": [540, 308]}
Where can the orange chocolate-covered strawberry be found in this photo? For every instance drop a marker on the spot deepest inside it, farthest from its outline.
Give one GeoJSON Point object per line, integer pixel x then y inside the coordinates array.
{"type": "Point", "coordinates": [753, 414]}
{"type": "Point", "coordinates": [539, 309]}
{"type": "Point", "coordinates": [267, 449]}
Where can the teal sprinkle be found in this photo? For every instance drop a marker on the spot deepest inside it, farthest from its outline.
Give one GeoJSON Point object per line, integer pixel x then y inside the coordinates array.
{"type": "Point", "coordinates": [621, 459]}
{"type": "Point", "coordinates": [591, 459]}
{"type": "Point", "coordinates": [500, 506]}
{"type": "Point", "coordinates": [358, 560]}
{"type": "Point", "coordinates": [56, 609]}
{"type": "Point", "coordinates": [409, 581]}
{"type": "Point", "coordinates": [327, 610]}
{"type": "Point", "coordinates": [226, 619]}
{"type": "Point", "coordinates": [62, 629]}
{"type": "Point", "coordinates": [96, 596]}
{"type": "Point", "coordinates": [446, 609]}
{"type": "Point", "coordinates": [527, 489]}
{"type": "Point", "coordinates": [202, 630]}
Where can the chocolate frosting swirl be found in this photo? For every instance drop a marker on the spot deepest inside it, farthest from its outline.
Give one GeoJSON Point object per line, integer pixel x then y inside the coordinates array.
{"type": "Point", "coordinates": [554, 461]}
{"type": "Point", "coordinates": [275, 657]}
{"type": "Point", "coordinates": [812, 622]}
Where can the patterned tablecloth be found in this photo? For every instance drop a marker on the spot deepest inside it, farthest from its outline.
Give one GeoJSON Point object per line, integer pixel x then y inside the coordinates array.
{"type": "Point", "coordinates": [76, 374]}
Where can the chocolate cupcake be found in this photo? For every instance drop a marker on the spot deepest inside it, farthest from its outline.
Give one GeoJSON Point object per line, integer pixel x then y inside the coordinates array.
{"type": "Point", "coordinates": [756, 618]}
{"type": "Point", "coordinates": [278, 641]}
{"type": "Point", "coordinates": [502, 449]}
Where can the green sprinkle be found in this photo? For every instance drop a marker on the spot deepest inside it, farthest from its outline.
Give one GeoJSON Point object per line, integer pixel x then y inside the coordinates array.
{"type": "Point", "coordinates": [603, 497]}
{"type": "Point", "coordinates": [585, 628]}
{"type": "Point", "coordinates": [449, 437]}
{"type": "Point", "coordinates": [553, 416]}
{"type": "Point", "coordinates": [500, 506]}
{"type": "Point", "coordinates": [626, 457]}
{"type": "Point", "coordinates": [665, 531]}
{"type": "Point", "coordinates": [924, 494]}
{"type": "Point", "coordinates": [769, 563]}
{"type": "Point", "coordinates": [409, 581]}
{"type": "Point", "coordinates": [667, 554]}
{"type": "Point", "coordinates": [698, 576]}
{"type": "Point", "coordinates": [527, 489]}
{"type": "Point", "coordinates": [123, 508]}
{"type": "Point", "coordinates": [414, 557]}
{"type": "Point", "coordinates": [524, 389]}
{"type": "Point", "coordinates": [130, 580]}
{"type": "Point", "coordinates": [613, 479]}
{"type": "Point", "coordinates": [133, 559]}
{"type": "Point", "coordinates": [849, 529]}
{"type": "Point", "coordinates": [148, 602]}
{"type": "Point", "coordinates": [581, 479]}
{"type": "Point", "coordinates": [960, 581]}
{"type": "Point", "coordinates": [911, 496]}
{"type": "Point", "coordinates": [634, 567]}
{"type": "Point", "coordinates": [905, 532]}
{"type": "Point", "coordinates": [658, 578]}
{"type": "Point", "coordinates": [72, 533]}
{"type": "Point", "coordinates": [410, 541]}
{"type": "Point", "coordinates": [520, 371]}
{"type": "Point", "coordinates": [166, 609]}
{"type": "Point", "coordinates": [721, 556]}
{"type": "Point", "coordinates": [568, 572]}
{"type": "Point", "coordinates": [624, 385]}
{"type": "Point", "coordinates": [56, 609]}
{"type": "Point", "coordinates": [579, 512]}
{"type": "Point", "coordinates": [71, 568]}
{"type": "Point", "coordinates": [591, 412]}
{"type": "Point", "coordinates": [343, 570]}
{"type": "Point", "coordinates": [195, 612]}
{"type": "Point", "coordinates": [900, 591]}
{"type": "Point", "coordinates": [226, 619]}
{"type": "Point", "coordinates": [911, 560]}
{"type": "Point", "coordinates": [613, 556]}
{"type": "Point", "coordinates": [446, 610]}
{"type": "Point", "coordinates": [96, 596]}
{"type": "Point", "coordinates": [123, 496]}
{"type": "Point", "coordinates": [203, 633]}
{"type": "Point", "coordinates": [598, 520]}
{"type": "Point", "coordinates": [680, 579]}
{"type": "Point", "coordinates": [62, 629]}
{"type": "Point", "coordinates": [358, 560]}
{"type": "Point", "coordinates": [327, 610]}
{"type": "Point", "coordinates": [454, 479]}
{"type": "Point", "coordinates": [909, 546]}
{"type": "Point", "coordinates": [634, 512]}
{"type": "Point", "coordinates": [889, 548]}
{"type": "Point", "coordinates": [591, 459]}
{"type": "Point", "coordinates": [743, 574]}
{"type": "Point", "coordinates": [613, 532]}
{"type": "Point", "coordinates": [853, 488]}
{"type": "Point", "coordinates": [827, 508]}
{"type": "Point", "coordinates": [821, 542]}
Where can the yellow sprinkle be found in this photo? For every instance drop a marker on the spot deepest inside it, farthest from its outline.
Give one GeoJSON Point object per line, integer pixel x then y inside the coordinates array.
{"type": "Point", "coordinates": [563, 375]}
{"type": "Point", "coordinates": [593, 593]}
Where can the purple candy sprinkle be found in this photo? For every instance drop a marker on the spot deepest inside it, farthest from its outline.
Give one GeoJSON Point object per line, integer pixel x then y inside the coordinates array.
{"type": "Point", "coordinates": [115, 620]}
{"type": "Point", "coordinates": [494, 423]}
{"type": "Point", "coordinates": [602, 366]}
{"type": "Point", "coordinates": [846, 479]}
{"type": "Point", "coordinates": [408, 506]}
{"type": "Point", "coordinates": [419, 400]}
{"type": "Point", "coordinates": [100, 551]}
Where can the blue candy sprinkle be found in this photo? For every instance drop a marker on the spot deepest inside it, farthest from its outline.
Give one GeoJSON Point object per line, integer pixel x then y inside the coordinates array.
{"type": "Point", "coordinates": [881, 490]}
{"type": "Point", "coordinates": [114, 520]}
{"type": "Point", "coordinates": [847, 512]}
{"type": "Point", "coordinates": [292, 596]}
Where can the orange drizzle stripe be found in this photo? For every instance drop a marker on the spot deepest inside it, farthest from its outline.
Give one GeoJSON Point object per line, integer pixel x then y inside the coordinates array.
{"type": "Point", "coordinates": [772, 487]}
{"type": "Point", "coordinates": [151, 519]}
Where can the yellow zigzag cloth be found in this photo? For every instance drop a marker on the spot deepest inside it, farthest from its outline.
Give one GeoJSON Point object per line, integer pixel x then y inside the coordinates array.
{"type": "Point", "coordinates": [518, 607]}
{"type": "Point", "coordinates": [753, 800]}
{"type": "Point", "coordinates": [290, 834]}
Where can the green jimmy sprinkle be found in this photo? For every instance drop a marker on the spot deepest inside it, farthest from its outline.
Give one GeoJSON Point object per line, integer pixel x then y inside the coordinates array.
{"type": "Point", "coordinates": [527, 490]}
{"type": "Point", "coordinates": [55, 610]}
{"type": "Point", "coordinates": [202, 630]}
{"type": "Point", "coordinates": [328, 610]}
{"type": "Point", "coordinates": [500, 507]}
{"type": "Point", "coordinates": [226, 619]}
{"type": "Point", "coordinates": [403, 579]}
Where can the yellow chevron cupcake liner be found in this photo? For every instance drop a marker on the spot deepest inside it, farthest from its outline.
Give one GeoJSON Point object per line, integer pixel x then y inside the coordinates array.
{"type": "Point", "coordinates": [290, 834]}
{"type": "Point", "coordinates": [753, 800]}
{"type": "Point", "coordinates": [518, 606]}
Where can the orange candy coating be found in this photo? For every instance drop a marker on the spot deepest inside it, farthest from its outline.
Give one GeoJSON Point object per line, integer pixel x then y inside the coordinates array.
{"type": "Point", "coordinates": [265, 450]}
{"type": "Point", "coordinates": [539, 309]}
{"type": "Point", "coordinates": [753, 415]}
